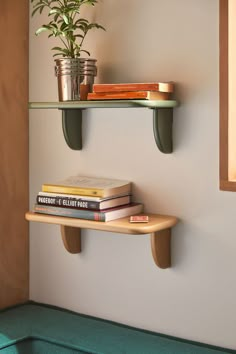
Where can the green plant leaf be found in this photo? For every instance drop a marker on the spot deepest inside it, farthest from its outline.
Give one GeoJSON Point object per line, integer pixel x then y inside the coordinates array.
{"type": "Point", "coordinates": [57, 48]}
{"type": "Point", "coordinates": [66, 19]}
{"type": "Point", "coordinates": [66, 24]}
{"type": "Point", "coordinates": [40, 30]}
{"type": "Point", "coordinates": [54, 11]}
{"type": "Point", "coordinates": [85, 51]}
{"type": "Point", "coordinates": [37, 9]}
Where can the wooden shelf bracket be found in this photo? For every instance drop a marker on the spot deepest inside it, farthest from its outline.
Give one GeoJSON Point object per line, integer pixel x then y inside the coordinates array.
{"type": "Point", "coordinates": [160, 244]}
{"type": "Point", "coordinates": [72, 127]}
{"type": "Point", "coordinates": [72, 118]}
{"type": "Point", "coordinates": [161, 248]}
{"type": "Point", "coordinates": [71, 237]}
{"type": "Point", "coordinates": [159, 228]}
{"type": "Point", "coordinates": [162, 128]}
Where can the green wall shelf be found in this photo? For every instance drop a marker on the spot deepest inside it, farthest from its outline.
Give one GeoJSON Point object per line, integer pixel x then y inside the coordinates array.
{"type": "Point", "coordinates": [72, 118]}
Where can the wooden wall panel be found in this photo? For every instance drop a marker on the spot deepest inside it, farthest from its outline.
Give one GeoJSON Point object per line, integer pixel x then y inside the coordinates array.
{"type": "Point", "coordinates": [14, 171]}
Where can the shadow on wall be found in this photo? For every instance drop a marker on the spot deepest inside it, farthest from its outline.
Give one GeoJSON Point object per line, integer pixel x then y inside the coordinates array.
{"type": "Point", "coordinates": [113, 48]}
{"type": "Point", "coordinates": [130, 50]}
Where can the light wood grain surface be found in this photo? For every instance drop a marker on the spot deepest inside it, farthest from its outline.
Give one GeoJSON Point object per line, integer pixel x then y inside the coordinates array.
{"type": "Point", "coordinates": [223, 34]}
{"type": "Point", "coordinates": [226, 135]}
{"type": "Point", "coordinates": [71, 238]}
{"type": "Point", "coordinates": [158, 226]}
{"type": "Point", "coordinates": [14, 249]}
{"type": "Point", "coordinates": [156, 223]}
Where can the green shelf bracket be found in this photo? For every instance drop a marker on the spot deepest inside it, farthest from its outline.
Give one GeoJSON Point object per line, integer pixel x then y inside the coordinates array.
{"type": "Point", "coordinates": [162, 129]}
{"type": "Point", "coordinates": [72, 118]}
{"type": "Point", "coordinates": [72, 127]}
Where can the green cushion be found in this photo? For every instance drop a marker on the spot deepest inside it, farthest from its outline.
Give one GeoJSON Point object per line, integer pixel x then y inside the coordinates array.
{"type": "Point", "coordinates": [38, 346]}
{"type": "Point", "coordinates": [37, 328]}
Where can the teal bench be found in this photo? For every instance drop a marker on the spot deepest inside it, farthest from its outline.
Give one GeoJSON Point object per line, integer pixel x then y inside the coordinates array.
{"type": "Point", "coordinates": [36, 328]}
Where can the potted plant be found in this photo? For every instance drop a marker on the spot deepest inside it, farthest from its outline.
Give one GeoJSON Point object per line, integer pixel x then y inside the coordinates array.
{"type": "Point", "coordinates": [75, 74]}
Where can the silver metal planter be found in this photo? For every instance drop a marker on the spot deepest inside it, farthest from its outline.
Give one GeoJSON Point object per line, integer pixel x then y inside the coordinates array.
{"type": "Point", "coordinates": [75, 78]}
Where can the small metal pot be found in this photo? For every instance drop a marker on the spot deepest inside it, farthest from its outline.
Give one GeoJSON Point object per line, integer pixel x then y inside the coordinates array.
{"type": "Point", "coordinates": [75, 78]}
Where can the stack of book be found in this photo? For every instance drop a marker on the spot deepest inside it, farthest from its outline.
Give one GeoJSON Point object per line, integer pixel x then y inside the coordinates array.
{"type": "Point", "coordinates": [91, 198]}
{"type": "Point", "coordinates": [145, 91]}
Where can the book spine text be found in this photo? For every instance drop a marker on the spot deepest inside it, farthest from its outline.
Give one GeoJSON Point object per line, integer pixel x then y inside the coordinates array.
{"type": "Point", "coordinates": [68, 202]}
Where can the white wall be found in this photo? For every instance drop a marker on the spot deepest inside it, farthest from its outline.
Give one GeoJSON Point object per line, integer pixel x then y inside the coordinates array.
{"type": "Point", "coordinates": [115, 276]}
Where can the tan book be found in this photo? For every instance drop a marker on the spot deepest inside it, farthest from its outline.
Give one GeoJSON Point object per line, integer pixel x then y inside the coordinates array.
{"type": "Point", "coordinates": [139, 86]}
{"type": "Point", "coordinates": [131, 95]}
{"type": "Point", "coordinates": [90, 186]}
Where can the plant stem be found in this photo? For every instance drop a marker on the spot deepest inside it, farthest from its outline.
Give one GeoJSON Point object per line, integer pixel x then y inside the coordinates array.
{"type": "Point", "coordinates": [83, 38]}
{"type": "Point", "coordinates": [66, 45]}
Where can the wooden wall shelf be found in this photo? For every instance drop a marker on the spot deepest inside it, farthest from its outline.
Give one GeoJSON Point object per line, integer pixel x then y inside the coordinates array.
{"type": "Point", "coordinates": [72, 118]}
{"type": "Point", "coordinates": [159, 226]}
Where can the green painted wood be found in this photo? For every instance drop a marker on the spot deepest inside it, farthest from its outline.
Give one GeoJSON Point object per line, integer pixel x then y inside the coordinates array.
{"type": "Point", "coordinates": [162, 129]}
{"type": "Point", "coordinates": [72, 127]}
{"type": "Point", "coordinates": [72, 118]}
{"type": "Point", "coordinates": [104, 104]}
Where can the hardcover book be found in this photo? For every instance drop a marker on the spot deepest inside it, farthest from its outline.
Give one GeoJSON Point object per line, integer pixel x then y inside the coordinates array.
{"type": "Point", "coordinates": [139, 86]}
{"type": "Point", "coordinates": [73, 201]}
{"type": "Point", "coordinates": [90, 186]}
{"type": "Point", "coordinates": [131, 95]}
{"type": "Point", "coordinates": [104, 215]}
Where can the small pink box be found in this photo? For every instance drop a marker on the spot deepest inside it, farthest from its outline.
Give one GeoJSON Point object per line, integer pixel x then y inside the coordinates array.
{"type": "Point", "coordinates": [139, 218]}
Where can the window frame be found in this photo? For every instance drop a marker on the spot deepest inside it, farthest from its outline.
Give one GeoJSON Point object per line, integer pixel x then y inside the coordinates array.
{"type": "Point", "coordinates": [225, 183]}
